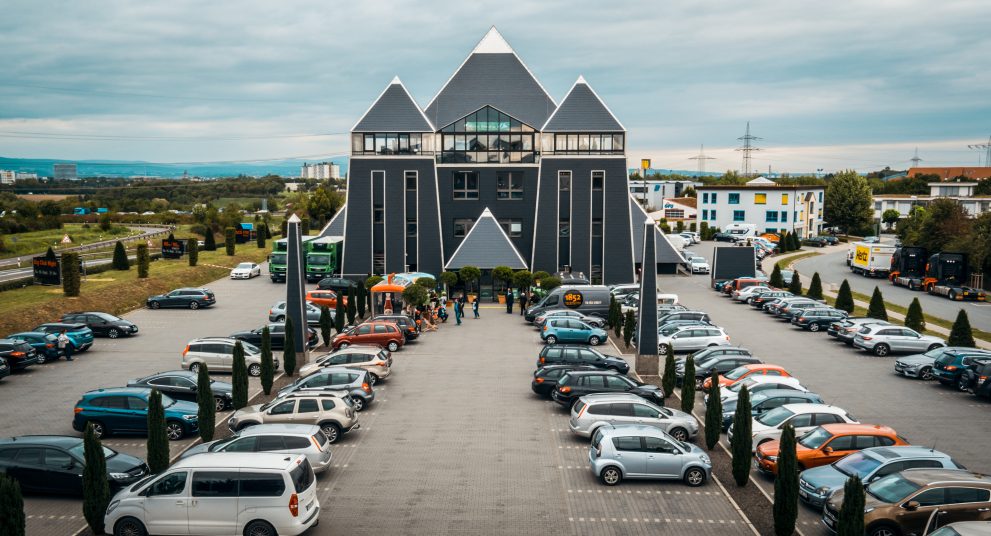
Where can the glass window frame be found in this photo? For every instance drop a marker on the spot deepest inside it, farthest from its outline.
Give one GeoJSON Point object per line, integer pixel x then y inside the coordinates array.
{"type": "Point", "coordinates": [509, 185]}
{"type": "Point", "coordinates": [468, 191]}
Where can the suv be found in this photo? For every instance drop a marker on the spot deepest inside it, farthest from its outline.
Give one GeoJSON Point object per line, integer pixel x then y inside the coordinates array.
{"type": "Point", "coordinates": [921, 365]}
{"type": "Point", "coordinates": [45, 344]}
{"type": "Point", "coordinates": [905, 502]}
{"type": "Point", "coordinates": [406, 324]}
{"type": "Point", "coordinates": [277, 336]}
{"type": "Point", "coordinates": [636, 451]}
{"type": "Point", "coordinates": [977, 378]}
{"type": "Point", "coordinates": [692, 338]}
{"type": "Point", "coordinates": [566, 354]}
{"type": "Point", "coordinates": [720, 359]}
{"type": "Point", "coordinates": [372, 359]}
{"type": "Point", "coordinates": [181, 385]}
{"type": "Point", "coordinates": [54, 464]}
{"type": "Point", "coordinates": [817, 318]}
{"type": "Point", "coordinates": [948, 367]}
{"type": "Point", "coordinates": [882, 340]}
{"type": "Point", "coordinates": [545, 378]}
{"type": "Point", "coordinates": [18, 354]}
{"type": "Point", "coordinates": [291, 439]}
{"type": "Point", "coordinates": [816, 485]}
{"type": "Point", "coordinates": [592, 412]}
{"type": "Point", "coordinates": [827, 444]}
{"type": "Point", "coordinates": [332, 412]}
{"type": "Point", "coordinates": [218, 355]}
{"type": "Point", "coordinates": [125, 410]}
{"type": "Point", "coordinates": [385, 334]}
{"type": "Point", "coordinates": [698, 316]}
{"type": "Point", "coordinates": [577, 383]}
{"type": "Point", "coordinates": [79, 335]}
{"type": "Point", "coordinates": [847, 329]}
{"type": "Point", "coordinates": [193, 298]}
{"type": "Point", "coordinates": [356, 382]}
{"type": "Point", "coordinates": [102, 324]}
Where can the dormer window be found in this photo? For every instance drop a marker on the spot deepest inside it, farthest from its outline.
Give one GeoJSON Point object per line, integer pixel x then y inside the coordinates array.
{"type": "Point", "coordinates": [488, 136]}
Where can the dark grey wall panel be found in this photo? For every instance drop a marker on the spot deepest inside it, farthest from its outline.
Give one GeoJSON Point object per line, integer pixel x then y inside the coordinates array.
{"type": "Point", "coordinates": [581, 223]}
{"type": "Point", "coordinates": [429, 255]}
{"type": "Point", "coordinates": [358, 219]}
{"type": "Point", "coordinates": [544, 253]}
{"type": "Point", "coordinates": [395, 221]}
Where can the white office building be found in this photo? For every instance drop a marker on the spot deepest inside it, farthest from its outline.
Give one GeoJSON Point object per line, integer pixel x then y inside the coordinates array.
{"type": "Point", "coordinates": [321, 171]}
{"type": "Point", "coordinates": [656, 191]}
{"type": "Point", "coordinates": [7, 177]}
{"type": "Point", "coordinates": [961, 192]}
{"type": "Point", "coordinates": [771, 207]}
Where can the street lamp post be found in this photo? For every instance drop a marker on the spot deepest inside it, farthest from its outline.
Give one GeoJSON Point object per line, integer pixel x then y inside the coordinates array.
{"type": "Point", "coordinates": [644, 166]}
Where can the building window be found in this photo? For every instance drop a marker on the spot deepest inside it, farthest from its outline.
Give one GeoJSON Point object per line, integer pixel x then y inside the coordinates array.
{"type": "Point", "coordinates": [379, 213]}
{"type": "Point", "coordinates": [713, 197]}
{"type": "Point", "coordinates": [784, 199]}
{"type": "Point", "coordinates": [411, 180]}
{"type": "Point", "coordinates": [488, 136]}
{"type": "Point", "coordinates": [598, 180]}
{"type": "Point", "coordinates": [705, 197]}
{"type": "Point", "coordinates": [739, 215]}
{"type": "Point", "coordinates": [705, 214]}
{"type": "Point", "coordinates": [771, 230]}
{"type": "Point", "coordinates": [820, 197]}
{"type": "Point", "coordinates": [772, 215]}
{"type": "Point", "coordinates": [564, 228]}
{"type": "Point", "coordinates": [795, 216]}
{"type": "Point", "coordinates": [411, 227]}
{"type": "Point", "coordinates": [509, 185]}
{"type": "Point", "coordinates": [712, 215]}
{"type": "Point", "coordinates": [462, 226]}
{"type": "Point", "coordinates": [465, 185]}
{"type": "Point", "coordinates": [760, 199]}
{"type": "Point", "coordinates": [563, 181]}
{"type": "Point", "coordinates": [820, 213]}
{"type": "Point", "coordinates": [512, 227]}
{"type": "Point", "coordinates": [588, 143]}
{"type": "Point", "coordinates": [387, 143]}
{"type": "Point", "coordinates": [378, 263]}
{"type": "Point", "coordinates": [596, 227]}
{"type": "Point", "coordinates": [784, 216]}
{"type": "Point", "coordinates": [734, 199]}
{"type": "Point", "coordinates": [674, 213]}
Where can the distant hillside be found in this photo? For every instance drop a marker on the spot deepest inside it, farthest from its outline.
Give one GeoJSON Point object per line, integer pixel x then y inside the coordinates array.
{"type": "Point", "coordinates": [111, 168]}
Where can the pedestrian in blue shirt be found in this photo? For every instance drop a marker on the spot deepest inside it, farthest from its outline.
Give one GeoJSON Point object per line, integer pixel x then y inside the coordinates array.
{"type": "Point", "coordinates": [474, 308]}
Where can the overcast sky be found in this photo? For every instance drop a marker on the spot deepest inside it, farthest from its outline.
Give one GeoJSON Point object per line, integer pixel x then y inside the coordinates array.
{"type": "Point", "coordinates": [827, 85]}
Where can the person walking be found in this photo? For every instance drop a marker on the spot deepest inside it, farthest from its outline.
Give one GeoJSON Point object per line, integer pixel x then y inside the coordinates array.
{"type": "Point", "coordinates": [65, 345]}
{"type": "Point", "coordinates": [509, 301]}
{"type": "Point", "coordinates": [474, 308]}
{"type": "Point", "coordinates": [457, 311]}
{"type": "Point", "coordinates": [523, 301]}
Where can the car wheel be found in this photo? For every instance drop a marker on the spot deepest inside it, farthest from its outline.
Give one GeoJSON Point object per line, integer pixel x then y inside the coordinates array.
{"type": "Point", "coordinates": [280, 318]}
{"type": "Point", "coordinates": [359, 403]}
{"type": "Point", "coordinates": [934, 346]}
{"type": "Point", "coordinates": [219, 403]}
{"type": "Point", "coordinates": [881, 350]}
{"type": "Point", "coordinates": [259, 528]}
{"type": "Point", "coordinates": [194, 368]}
{"type": "Point", "coordinates": [813, 327]}
{"type": "Point", "coordinates": [963, 384]}
{"type": "Point", "coordinates": [42, 358]}
{"type": "Point", "coordinates": [662, 348]}
{"type": "Point", "coordinates": [343, 345]}
{"type": "Point", "coordinates": [695, 477]}
{"type": "Point", "coordinates": [129, 526]}
{"type": "Point", "coordinates": [593, 340]}
{"type": "Point", "coordinates": [698, 384]}
{"type": "Point", "coordinates": [255, 370]}
{"type": "Point", "coordinates": [332, 431]}
{"type": "Point", "coordinates": [375, 379]}
{"type": "Point", "coordinates": [926, 374]}
{"type": "Point", "coordinates": [551, 339]}
{"type": "Point", "coordinates": [174, 430]}
{"type": "Point", "coordinates": [680, 434]}
{"type": "Point", "coordinates": [113, 333]}
{"type": "Point", "coordinates": [611, 475]}
{"type": "Point", "coordinates": [98, 430]}
{"type": "Point", "coordinates": [393, 346]}
{"type": "Point", "coordinates": [952, 295]}
{"type": "Point", "coordinates": [194, 305]}
{"type": "Point", "coordinates": [154, 305]}
{"type": "Point", "coordinates": [883, 530]}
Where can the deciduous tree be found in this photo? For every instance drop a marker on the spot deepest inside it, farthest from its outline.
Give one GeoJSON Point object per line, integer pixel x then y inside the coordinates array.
{"type": "Point", "coordinates": [848, 202]}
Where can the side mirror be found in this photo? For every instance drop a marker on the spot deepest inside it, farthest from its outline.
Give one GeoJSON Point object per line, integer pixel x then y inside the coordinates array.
{"type": "Point", "coordinates": [912, 506]}
{"type": "Point", "coordinates": [827, 450]}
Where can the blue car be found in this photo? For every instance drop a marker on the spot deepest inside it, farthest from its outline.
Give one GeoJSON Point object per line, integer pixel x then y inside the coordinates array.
{"type": "Point", "coordinates": [45, 343]}
{"type": "Point", "coordinates": [79, 335]}
{"type": "Point", "coordinates": [124, 410]}
{"type": "Point", "coordinates": [571, 330]}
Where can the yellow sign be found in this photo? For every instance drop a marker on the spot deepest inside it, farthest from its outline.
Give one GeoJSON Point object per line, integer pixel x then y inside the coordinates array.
{"type": "Point", "coordinates": [573, 299]}
{"type": "Point", "coordinates": [645, 163]}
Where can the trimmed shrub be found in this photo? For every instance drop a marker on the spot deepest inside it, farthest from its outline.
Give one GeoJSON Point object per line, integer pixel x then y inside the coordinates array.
{"type": "Point", "coordinates": [261, 234]}
{"type": "Point", "coordinates": [192, 251]}
{"type": "Point", "coordinates": [713, 413]}
{"type": "Point", "coordinates": [960, 333]}
{"type": "Point", "coordinates": [207, 409]}
{"type": "Point", "coordinates": [844, 298]}
{"type": "Point", "coordinates": [629, 326]}
{"type": "Point", "coordinates": [876, 309]}
{"type": "Point", "coordinates": [851, 518]}
{"type": "Point", "coordinates": [668, 379]}
{"type": "Point", "coordinates": [144, 261]}
{"type": "Point", "coordinates": [209, 240]}
{"type": "Point", "coordinates": [229, 242]}
{"type": "Point", "coordinates": [120, 261]}
{"type": "Point", "coordinates": [71, 284]}
{"type": "Point", "coordinates": [268, 363]}
{"type": "Point", "coordinates": [777, 280]}
{"type": "Point", "coordinates": [239, 375]}
{"type": "Point", "coordinates": [741, 442]}
{"type": "Point", "coordinates": [914, 319]}
{"type": "Point", "coordinates": [12, 519]}
{"type": "Point", "coordinates": [289, 354]}
{"type": "Point", "coordinates": [795, 285]}
{"type": "Point", "coordinates": [325, 324]}
{"type": "Point", "coordinates": [158, 441]}
{"type": "Point", "coordinates": [786, 485]}
{"type": "Point", "coordinates": [815, 287]}
{"type": "Point", "coordinates": [96, 488]}
{"type": "Point", "coordinates": [688, 386]}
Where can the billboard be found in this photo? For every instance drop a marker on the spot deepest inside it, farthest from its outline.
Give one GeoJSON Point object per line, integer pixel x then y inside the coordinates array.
{"type": "Point", "coordinates": [244, 232]}
{"type": "Point", "coordinates": [173, 248]}
{"type": "Point", "coordinates": [47, 269]}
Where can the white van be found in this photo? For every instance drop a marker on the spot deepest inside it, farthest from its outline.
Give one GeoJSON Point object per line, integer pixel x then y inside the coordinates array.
{"type": "Point", "coordinates": [261, 494]}
{"type": "Point", "coordinates": [741, 231]}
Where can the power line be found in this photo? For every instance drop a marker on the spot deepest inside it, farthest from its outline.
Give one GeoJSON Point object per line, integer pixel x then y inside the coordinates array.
{"type": "Point", "coordinates": [701, 157]}
{"type": "Point", "coordinates": [915, 159]}
{"type": "Point", "coordinates": [747, 149]}
{"type": "Point", "coordinates": [983, 146]}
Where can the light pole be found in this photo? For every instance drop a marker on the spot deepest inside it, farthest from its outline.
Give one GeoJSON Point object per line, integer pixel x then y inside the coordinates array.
{"type": "Point", "coordinates": [644, 166]}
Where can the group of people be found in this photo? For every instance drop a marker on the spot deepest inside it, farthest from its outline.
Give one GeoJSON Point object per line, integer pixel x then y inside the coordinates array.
{"type": "Point", "coordinates": [526, 298]}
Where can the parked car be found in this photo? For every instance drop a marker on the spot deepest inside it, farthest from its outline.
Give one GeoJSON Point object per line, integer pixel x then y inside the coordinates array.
{"type": "Point", "coordinates": [697, 316]}
{"type": "Point", "coordinates": [593, 412]}
{"type": "Point", "coordinates": [766, 400]}
{"type": "Point", "coordinates": [830, 239]}
{"type": "Point", "coordinates": [278, 313]}
{"type": "Point", "coordinates": [569, 330]}
{"type": "Point", "coordinates": [45, 344]}
{"type": "Point", "coordinates": [356, 382]}
{"type": "Point", "coordinates": [756, 384]}
{"type": "Point", "coordinates": [372, 359]}
{"type": "Point", "coordinates": [575, 384]}
{"type": "Point", "coordinates": [406, 324]}
{"type": "Point", "coordinates": [975, 378]}
{"type": "Point", "coordinates": [826, 444]}
{"type": "Point", "coordinates": [102, 324]}
{"type": "Point", "coordinates": [691, 338]}
{"type": "Point", "coordinates": [675, 326]}
{"type": "Point", "coordinates": [773, 307]}
{"type": "Point", "coordinates": [384, 334]}
{"type": "Point", "coordinates": [4, 368]}
{"type": "Point", "coordinates": [593, 321]}
{"type": "Point", "coordinates": [570, 354]}
{"type": "Point", "coordinates": [52, 464]}
{"type": "Point", "coordinates": [723, 237]}
{"type": "Point", "coordinates": [645, 452]}
{"type": "Point", "coordinates": [743, 295]}
{"type": "Point", "coordinates": [246, 270]}
{"type": "Point", "coordinates": [948, 367]}
{"type": "Point", "coordinates": [920, 366]}
{"type": "Point", "coordinates": [745, 371]}
{"type": "Point", "coordinates": [788, 311]}
{"type": "Point", "coordinates": [124, 410]}
{"type": "Point", "coordinates": [964, 528]}
{"type": "Point", "coordinates": [182, 385]}
{"type": "Point", "coordinates": [79, 335]}
{"type": "Point", "coordinates": [324, 298]}
{"type": "Point", "coordinates": [815, 241]}
{"type": "Point", "coordinates": [905, 501]}
{"type": "Point", "coordinates": [882, 340]}
{"type": "Point", "coordinates": [218, 355]}
{"type": "Point", "coordinates": [333, 413]}
{"type": "Point", "coordinates": [699, 265]}
{"type": "Point", "coordinates": [292, 439]}
{"type": "Point", "coordinates": [846, 330]}
{"type": "Point", "coordinates": [817, 484]}
{"type": "Point", "coordinates": [339, 285]}
{"type": "Point", "coordinates": [18, 354]}
{"type": "Point", "coordinates": [871, 240]}
{"type": "Point", "coordinates": [803, 417]}
{"type": "Point", "coordinates": [192, 298]}
{"type": "Point", "coordinates": [277, 336]}
{"type": "Point", "coordinates": [758, 301]}
{"type": "Point", "coordinates": [545, 378]}
{"type": "Point", "coordinates": [711, 359]}
{"type": "Point", "coordinates": [817, 318]}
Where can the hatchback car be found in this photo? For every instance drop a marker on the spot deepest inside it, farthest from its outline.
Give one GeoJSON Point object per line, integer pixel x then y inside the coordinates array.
{"type": "Point", "coordinates": [846, 330]}
{"type": "Point", "coordinates": [569, 330]}
{"type": "Point", "coordinates": [181, 385]}
{"type": "Point", "coordinates": [764, 401]}
{"type": "Point", "coordinates": [54, 464]}
{"type": "Point", "coordinates": [803, 417]}
{"type": "Point", "coordinates": [756, 384]}
{"type": "Point", "coordinates": [356, 382]}
{"type": "Point", "coordinates": [406, 324]}
{"type": "Point", "coordinates": [45, 344]}
{"type": "Point", "coordinates": [246, 270]}
{"type": "Point", "coordinates": [593, 321]}
{"type": "Point", "coordinates": [882, 340]}
{"type": "Point", "coordinates": [191, 298]}
{"type": "Point", "coordinates": [276, 335]}
{"type": "Point", "coordinates": [713, 360]}
{"type": "Point", "coordinates": [384, 334]}
{"type": "Point", "coordinates": [372, 359]}
{"type": "Point", "coordinates": [569, 354]}
{"type": "Point", "coordinates": [278, 313]}
{"type": "Point", "coordinates": [817, 318]}
{"type": "Point", "coordinates": [948, 367]}
{"type": "Point", "coordinates": [324, 298]}
{"type": "Point", "coordinates": [826, 444]}
{"type": "Point", "coordinates": [305, 439]}
{"type": "Point", "coordinates": [124, 410]}
{"type": "Point", "coordinates": [80, 335]}
{"type": "Point", "coordinates": [218, 355]}
{"type": "Point", "coordinates": [574, 384]}
{"type": "Point", "coordinates": [592, 412]}
{"type": "Point", "coordinates": [102, 324]}
{"type": "Point", "coordinates": [645, 452]}
{"type": "Point", "coordinates": [332, 412]}
{"type": "Point", "coordinates": [18, 354]}
{"type": "Point", "coordinates": [691, 338]}
{"type": "Point", "coordinates": [545, 378]}
{"type": "Point", "coordinates": [745, 371]}
{"type": "Point", "coordinates": [920, 366]}
{"type": "Point", "coordinates": [817, 484]}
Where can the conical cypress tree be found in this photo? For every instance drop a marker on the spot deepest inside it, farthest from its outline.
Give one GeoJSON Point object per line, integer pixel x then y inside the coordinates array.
{"type": "Point", "coordinates": [12, 519]}
{"type": "Point", "coordinates": [207, 407]}
{"type": "Point", "coordinates": [914, 319]}
{"type": "Point", "coordinates": [229, 241]}
{"type": "Point", "coordinates": [786, 485]}
{"type": "Point", "coordinates": [144, 260]}
{"type": "Point", "coordinates": [668, 380]}
{"type": "Point", "coordinates": [776, 281]}
{"type": "Point", "coordinates": [844, 298]}
{"type": "Point", "coordinates": [352, 308]}
{"type": "Point", "coordinates": [851, 518]}
{"type": "Point", "coordinates": [741, 443]}
{"type": "Point", "coordinates": [360, 297]}
{"type": "Point", "coordinates": [71, 284]}
{"type": "Point", "coordinates": [713, 413]}
{"type": "Point", "coordinates": [120, 257]}
{"type": "Point", "coordinates": [629, 326]}
{"type": "Point", "coordinates": [289, 354]}
{"type": "Point", "coordinates": [268, 362]}
{"type": "Point", "coordinates": [795, 244]}
{"type": "Point", "coordinates": [192, 251]}
{"type": "Point", "coordinates": [618, 326]}
{"type": "Point", "coordinates": [239, 376]}
{"type": "Point", "coordinates": [96, 488]}
{"type": "Point", "coordinates": [960, 333]}
{"type": "Point", "coordinates": [876, 308]}
{"type": "Point", "coordinates": [260, 235]}
{"type": "Point", "coordinates": [209, 241]}
{"type": "Point", "coordinates": [688, 386]}
{"type": "Point", "coordinates": [325, 324]}
{"type": "Point", "coordinates": [339, 314]}
{"type": "Point", "coordinates": [611, 315]}
{"type": "Point", "coordinates": [795, 286]}
{"type": "Point", "coordinates": [158, 441]}
{"type": "Point", "coordinates": [815, 287]}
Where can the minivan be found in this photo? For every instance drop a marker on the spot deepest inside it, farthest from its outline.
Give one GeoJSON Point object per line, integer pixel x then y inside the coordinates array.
{"type": "Point", "coordinates": [586, 299]}
{"type": "Point", "coordinates": [262, 494]}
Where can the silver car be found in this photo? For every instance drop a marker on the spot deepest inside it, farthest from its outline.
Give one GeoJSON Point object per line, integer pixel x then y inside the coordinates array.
{"type": "Point", "coordinates": [691, 338]}
{"type": "Point", "coordinates": [592, 412]}
{"type": "Point", "coordinates": [355, 381]}
{"type": "Point", "coordinates": [278, 313]}
{"type": "Point", "coordinates": [882, 340]}
{"type": "Point", "coordinates": [920, 366]}
{"type": "Point", "coordinates": [848, 328]}
{"type": "Point", "coordinates": [637, 451]}
{"type": "Point", "coordinates": [304, 439]}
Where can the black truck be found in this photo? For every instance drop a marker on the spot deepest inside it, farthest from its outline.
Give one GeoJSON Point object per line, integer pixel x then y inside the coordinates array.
{"type": "Point", "coordinates": [908, 267]}
{"type": "Point", "coordinates": [947, 274]}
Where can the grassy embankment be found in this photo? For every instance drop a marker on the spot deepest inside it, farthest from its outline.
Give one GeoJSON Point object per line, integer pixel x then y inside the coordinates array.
{"type": "Point", "coordinates": [38, 241]}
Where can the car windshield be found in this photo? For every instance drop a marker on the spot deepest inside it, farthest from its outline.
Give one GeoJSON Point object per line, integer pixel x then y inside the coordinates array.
{"type": "Point", "coordinates": [737, 373]}
{"type": "Point", "coordinates": [892, 488]}
{"type": "Point", "coordinates": [167, 401]}
{"type": "Point", "coordinates": [775, 417]}
{"type": "Point", "coordinates": [815, 438]}
{"type": "Point", "coordinates": [79, 452]}
{"type": "Point", "coordinates": [858, 464]}
{"type": "Point", "coordinates": [245, 265]}
{"type": "Point", "coordinates": [250, 348]}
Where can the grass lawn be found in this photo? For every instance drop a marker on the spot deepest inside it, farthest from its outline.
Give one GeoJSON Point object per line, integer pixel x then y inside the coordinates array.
{"type": "Point", "coordinates": [930, 320]}
{"type": "Point", "coordinates": [118, 292]}
{"type": "Point", "coordinates": [36, 242]}
{"type": "Point", "coordinates": [783, 264]}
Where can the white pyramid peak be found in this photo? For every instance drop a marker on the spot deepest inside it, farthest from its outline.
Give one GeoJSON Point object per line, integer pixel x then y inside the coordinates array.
{"type": "Point", "coordinates": [492, 43]}
{"type": "Point", "coordinates": [396, 80]}
{"type": "Point", "coordinates": [581, 80]}
{"type": "Point", "coordinates": [486, 213]}
{"type": "Point", "coordinates": [649, 222]}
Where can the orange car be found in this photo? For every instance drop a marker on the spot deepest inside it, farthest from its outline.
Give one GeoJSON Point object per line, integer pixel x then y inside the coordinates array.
{"type": "Point", "coordinates": [324, 297]}
{"type": "Point", "coordinates": [746, 371]}
{"type": "Point", "coordinates": [771, 237]}
{"type": "Point", "coordinates": [385, 334]}
{"type": "Point", "coordinates": [825, 444]}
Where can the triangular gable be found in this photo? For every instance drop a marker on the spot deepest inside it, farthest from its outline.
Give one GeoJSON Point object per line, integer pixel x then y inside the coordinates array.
{"type": "Point", "coordinates": [485, 115]}
{"type": "Point", "coordinates": [666, 253]}
{"type": "Point", "coordinates": [486, 246]}
{"type": "Point", "coordinates": [582, 111]}
{"type": "Point", "coordinates": [394, 111]}
{"type": "Point", "coordinates": [335, 227]}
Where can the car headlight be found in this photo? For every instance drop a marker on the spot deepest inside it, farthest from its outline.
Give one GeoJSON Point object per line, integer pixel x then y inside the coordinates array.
{"type": "Point", "coordinates": [189, 417]}
{"type": "Point", "coordinates": [119, 476]}
{"type": "Point", "coordinates": [113, 505]}
{"type": "Point", "coordinates": [823, 490]}
{"type": "Point", "coordinates": [868, 510]}
{"type": "Point", "coordinates": [705, 459]}
{"type": "Point", "coordinates": [772, 458]}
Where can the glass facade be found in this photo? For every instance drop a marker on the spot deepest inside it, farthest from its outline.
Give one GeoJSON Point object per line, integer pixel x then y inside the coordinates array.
{"type": "Point", "coordinates": [589, 143]}
{"type": "Point", "coordinates": [488, 136]}
{"type": "Point", "coordinates": [387, 143]}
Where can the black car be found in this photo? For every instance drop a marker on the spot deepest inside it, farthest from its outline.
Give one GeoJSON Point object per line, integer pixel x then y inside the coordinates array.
{"type": "Point", "coordinates": [191, 298]}
{"type": "Point", "coordinates": [277, 334]}
{"type": "Point", "coordinates": [4, 368]}
{"type": "Point", "coordinates": [830, 239]}
{"type": "Point", "coordinates": [545, 378]}
{"type": "Point", "coordinates": [977, 378]}
{"type": "Point", "coordinates": [817, 319]}
{"type": "Point", "coordinates": [759, 300]}
{"type": "Point", "coordinates": [181, 385]}
{"type": "Point", "coordinates": [711, 359]}
{"type": "Point", "coordinates": [102, 324]}
{"type": "Point", "coordinates": [54, 464]}
{"type": "Point", "coordinates": [723, 237]}
{"type": "Point", "coordinates": [816, 241]}
{"type": "Point", "coordinates": [18, 354]}
{"type": "Point", "coordinates": [575, 384]}
{"type": "Point", "coordinates": [572, 354]}
{"type": "Point", "coordinates": [337, 284]}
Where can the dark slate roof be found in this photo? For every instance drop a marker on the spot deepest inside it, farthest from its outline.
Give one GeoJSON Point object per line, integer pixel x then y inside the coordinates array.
{"type": "Point", "coordinates": [335, 227]}
{"type": "Point", "coordinates": [582, 111]}
{"type": "Point", "coordinates": [393, 111]}
{"type": "Point", "coordinates": [666, 253]}
{"type": "Point", "coordinates": [486, 246]}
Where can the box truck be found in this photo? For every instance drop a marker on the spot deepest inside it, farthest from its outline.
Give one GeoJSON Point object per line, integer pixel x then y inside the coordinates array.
{"type": "Point", "coordinates": [871, 260]}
